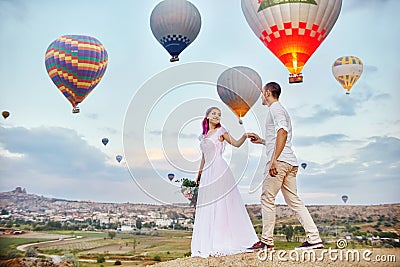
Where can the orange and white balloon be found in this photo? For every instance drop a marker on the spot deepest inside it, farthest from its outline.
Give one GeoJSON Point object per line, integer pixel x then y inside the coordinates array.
{"type": "Point", "coordinates": [292, 30]}
{"type": "Point", "coordinates": [239, 88]}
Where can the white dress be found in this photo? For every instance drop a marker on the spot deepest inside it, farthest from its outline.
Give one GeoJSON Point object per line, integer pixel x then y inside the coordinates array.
{"type": "Point", "coordinates": [222, 225]}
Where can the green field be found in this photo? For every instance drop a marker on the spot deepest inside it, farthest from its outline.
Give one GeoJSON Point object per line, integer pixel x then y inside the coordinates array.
{"type": "Point", "coordinates": [132, 249]}
{"type": "Point", "coordinates": [9, 245]}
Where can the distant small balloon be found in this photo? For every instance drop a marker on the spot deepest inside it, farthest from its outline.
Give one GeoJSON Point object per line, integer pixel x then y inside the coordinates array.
{"type": "Point", "coordinates": [345, 198]}
{"type": "Point", "coordinates": [171, 176]}
{"type": "Point", "coordinates": [104, 141]}
{"type": "Point", "coordinates": [304, 165]}
{"type": "Point", "coordinates": [119, 158]}
{"type": "Point", "coordinates": [5, 114]}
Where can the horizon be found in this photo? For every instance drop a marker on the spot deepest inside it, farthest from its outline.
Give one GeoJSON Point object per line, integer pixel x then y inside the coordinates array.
{"type": "Point", "coordinates": [183, 204]}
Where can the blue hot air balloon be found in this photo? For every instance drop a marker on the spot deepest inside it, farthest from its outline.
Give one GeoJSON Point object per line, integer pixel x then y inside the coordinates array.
{"type": "Point", "coordinates": [104, 141]}
{"type": "Point", "coordinates": [171, 176]}
{"type": "Point", "coordinates": [118, 158]}
{"type": "Point", "coordinates": [175, 24]}
{"type": "Point", "coordinates": [304, 165]}
{"type": "Point", "coordinates": [345, 198]}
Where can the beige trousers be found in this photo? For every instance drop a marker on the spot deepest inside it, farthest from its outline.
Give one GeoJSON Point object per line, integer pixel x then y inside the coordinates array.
{"type": "Point", "coordinates": [285, 181]}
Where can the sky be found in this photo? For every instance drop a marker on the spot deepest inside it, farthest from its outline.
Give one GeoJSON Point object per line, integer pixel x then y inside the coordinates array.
{"type": "Point", "coordinates": [151, 109]}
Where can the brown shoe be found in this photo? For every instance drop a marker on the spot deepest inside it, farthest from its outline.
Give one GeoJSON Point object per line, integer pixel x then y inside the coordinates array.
{"type": "Point", "coordinates": [259, 245]}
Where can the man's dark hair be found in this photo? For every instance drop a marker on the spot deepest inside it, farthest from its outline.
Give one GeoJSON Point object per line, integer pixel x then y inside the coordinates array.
{"type": "Point", "coordinates": [274, 88]}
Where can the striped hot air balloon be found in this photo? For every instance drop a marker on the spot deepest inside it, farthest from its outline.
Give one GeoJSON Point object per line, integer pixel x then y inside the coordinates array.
{"type": "Point", "coordinates": [175, 24]}
{"type": "Point", "coordinates": [76, 64]}
{"type": "Point", "coordinates": [347, 70]}
{"type": "Point", "coordinates": [292, 30]}
{"type": "Point", "coordinates": [239, 88]}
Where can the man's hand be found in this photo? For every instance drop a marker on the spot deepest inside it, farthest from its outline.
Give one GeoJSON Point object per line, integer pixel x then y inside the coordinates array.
{"type": "Point", "coordinates": [273, 168]}
{"type": "Point", "coordinates": [255, 139]}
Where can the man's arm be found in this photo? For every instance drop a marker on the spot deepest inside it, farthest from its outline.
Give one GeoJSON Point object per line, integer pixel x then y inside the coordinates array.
{"type": "Point", "coordinates": [280, 143]}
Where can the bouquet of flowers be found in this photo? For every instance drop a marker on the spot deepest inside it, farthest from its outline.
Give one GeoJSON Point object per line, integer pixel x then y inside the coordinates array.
{"type": "Point", "coordinates": [190, 190]}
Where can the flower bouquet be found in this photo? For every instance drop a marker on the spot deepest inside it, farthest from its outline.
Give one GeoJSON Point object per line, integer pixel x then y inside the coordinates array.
{"type": "Point", "coordinates": [190, 190]}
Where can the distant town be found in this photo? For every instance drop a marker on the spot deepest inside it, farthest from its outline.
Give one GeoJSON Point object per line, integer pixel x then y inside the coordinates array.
{"type": "Point", "coordinates": [18, 205]}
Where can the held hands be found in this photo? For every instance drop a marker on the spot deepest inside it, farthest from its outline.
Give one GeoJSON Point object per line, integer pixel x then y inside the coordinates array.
{"type": "Point", "coordinates": [255, 139]}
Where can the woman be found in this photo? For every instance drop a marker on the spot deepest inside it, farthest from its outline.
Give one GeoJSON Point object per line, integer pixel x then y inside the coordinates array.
{"type": "Point", "coordinates": [222, 225]}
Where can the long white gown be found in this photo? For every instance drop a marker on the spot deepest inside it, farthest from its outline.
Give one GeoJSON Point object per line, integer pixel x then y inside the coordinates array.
{"type": "Point", "coordinates": [222, 225]}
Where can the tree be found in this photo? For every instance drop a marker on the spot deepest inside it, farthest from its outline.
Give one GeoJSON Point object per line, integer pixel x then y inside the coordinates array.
{"type": "Point", "coordinates": [139, 224]}
{"type": "Point", "coordinates": [289, 233]}
{"type": "Point", "coordinates": [111, 234]}
{"type": "Point", "coordinates": [4, 212]}
{"type": "Point", "coordinates": [31, 252]}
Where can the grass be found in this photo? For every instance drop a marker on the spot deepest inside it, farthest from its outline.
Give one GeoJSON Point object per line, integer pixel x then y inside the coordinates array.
{"type": "Point", "coordinates": [9, 245]}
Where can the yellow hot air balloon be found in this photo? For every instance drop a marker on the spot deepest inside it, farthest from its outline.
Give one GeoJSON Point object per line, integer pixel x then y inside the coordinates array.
{"type": "Point", "coordinates": [239, 88]}
{"type": "Point", "coordinates": [347, 70]}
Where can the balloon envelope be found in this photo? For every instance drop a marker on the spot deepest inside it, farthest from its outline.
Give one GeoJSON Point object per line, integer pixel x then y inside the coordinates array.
{"type": "Point", "coordinates": [104, 141]}
{"type": "Point", "coordinates": [292, 30]}
{"type": "Point", "coordinates": [175, 24]}
{"type": "Point", "coordinates": [347, 70]}
{"type": "Point", "coordinates": [345, 198]}
{"type": "Point", "coordinates": [304, 165]}
{"type": "Point", "coordinates": [239, 88]}
{"type": "Point", "coordinates": [171, 176]}
{"type": "Point", "coordinates": [5, 114]}
{"type": "Point", "coordinates": [76, 64]}
{"type": "Point", "coordinates": [118, 158]}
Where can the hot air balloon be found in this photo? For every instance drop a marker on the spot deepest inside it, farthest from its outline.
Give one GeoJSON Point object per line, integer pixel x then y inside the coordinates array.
{"type": "Point", "coordinates": [118, 158]}
{"type": "Point", "coordinates": [345, 198]}
{"type": "Point", "coordinates": [171, 176]}
{"type": "Point", "coordinates": [104, 141]}
{"type": "Point", "coordinates": [76, 64]}
{"type": "Point", "coordinates": [304, 165]}
{"type": "Point", "coordinates": [239, 88]}
{"type": "Point", "coordinates": [347, 70]}
{"type": "Point", "coordinates": [5, 114]}
{"type": "Point", "coordinates": [292, 30]}
{"type": "Point", "coordinates": [175, 24]}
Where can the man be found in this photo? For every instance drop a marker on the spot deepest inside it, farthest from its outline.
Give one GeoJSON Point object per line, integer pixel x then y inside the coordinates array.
{"type": "Point", "coordinates": [280, 172]}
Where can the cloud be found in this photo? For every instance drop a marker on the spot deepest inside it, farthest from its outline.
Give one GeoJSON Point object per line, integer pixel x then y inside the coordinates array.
{"type": "Point", "coordinates": [324, 139]}
{"type": "Point", "coordinates": [57, 161]}
{"type": "Point", "coordinates": [372, 169]}
{"type": "Point", "coordinates": [15, 8]}
{"type": "Point", "coordinates": [367, 4]}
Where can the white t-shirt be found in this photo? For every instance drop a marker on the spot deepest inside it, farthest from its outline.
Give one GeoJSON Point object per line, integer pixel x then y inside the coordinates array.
{"type": "Point", "coordinates": [278, 118]}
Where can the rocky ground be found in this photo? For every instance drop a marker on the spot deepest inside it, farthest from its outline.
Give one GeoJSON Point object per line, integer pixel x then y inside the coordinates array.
{"type": "Point", "coordinates": [372, 257]}
{"type": "Point", "coordinates": [30, 262]}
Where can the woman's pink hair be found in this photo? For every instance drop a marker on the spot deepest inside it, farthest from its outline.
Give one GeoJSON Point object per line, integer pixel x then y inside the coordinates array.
{"type": "Point", "coordinates": [205, 122]}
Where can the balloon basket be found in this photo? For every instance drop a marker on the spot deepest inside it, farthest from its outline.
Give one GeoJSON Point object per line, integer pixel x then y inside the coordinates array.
{"type": "Point", "coordinates": [174, 58]}
{"type": "Point", "coordinates": [295, 78]}
{"type": "Point", "coordinates": [75, 110]}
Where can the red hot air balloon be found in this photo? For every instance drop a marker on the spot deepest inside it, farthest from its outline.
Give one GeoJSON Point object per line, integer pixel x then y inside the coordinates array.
{"type": "Point", "coordinates": [76, 64]}
{"type": "Point", "coordinates": [292, 30]}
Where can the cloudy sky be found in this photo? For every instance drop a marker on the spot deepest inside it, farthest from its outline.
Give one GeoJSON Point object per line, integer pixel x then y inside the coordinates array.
{"type": "Point", "coordinates": [350, 142]}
